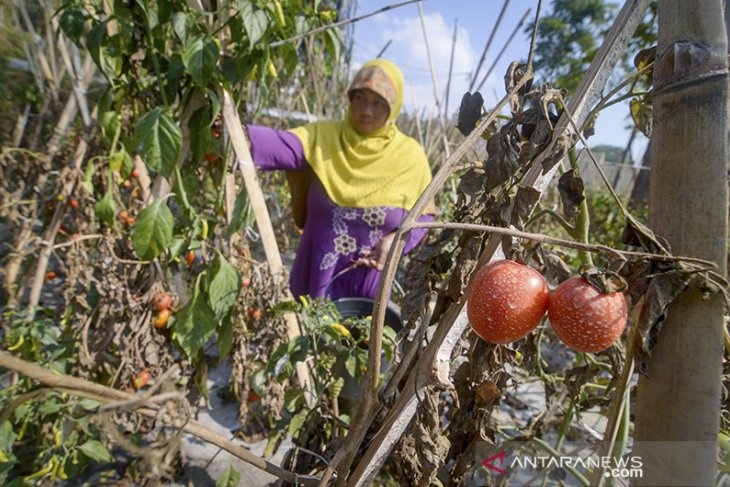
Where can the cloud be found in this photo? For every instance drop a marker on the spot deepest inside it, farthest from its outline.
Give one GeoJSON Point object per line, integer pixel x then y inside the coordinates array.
{"type": "Point", "coordinates": [408, 50]}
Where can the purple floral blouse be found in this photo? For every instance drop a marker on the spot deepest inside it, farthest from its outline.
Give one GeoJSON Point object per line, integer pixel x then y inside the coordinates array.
{"type": "Point", "coordinates": [334, 236]}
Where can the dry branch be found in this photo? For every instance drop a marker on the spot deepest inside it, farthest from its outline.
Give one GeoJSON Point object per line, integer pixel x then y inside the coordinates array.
{"type": "Point", "coordinates": [98, 392]}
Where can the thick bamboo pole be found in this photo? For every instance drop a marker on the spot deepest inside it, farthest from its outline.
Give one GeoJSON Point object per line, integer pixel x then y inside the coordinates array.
{"type": "Point", "coordinates": [678, 402]}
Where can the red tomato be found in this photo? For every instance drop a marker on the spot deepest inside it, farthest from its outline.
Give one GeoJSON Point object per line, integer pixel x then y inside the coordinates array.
{"type": "Point", "coordinates": [190, 257]}
{"type": "Point", "coordinates": [246, 282]}
{"type": "Point", "coordinates": [73, 203]}
{"type": "Point", "coordinates": [50, 275]}
{"type": "Point", "coordinates": [141, 379]}
{"type": "Point", "coordinates": [507, 301]}
{"type": "Point", "coordinates": [161, 301]}
{"type": "Point", "coordinates": [583, 318]}
{"type": "Point", "coordinates": [160, 321]}
{"type": "Point", "coordinates": [134, 173]}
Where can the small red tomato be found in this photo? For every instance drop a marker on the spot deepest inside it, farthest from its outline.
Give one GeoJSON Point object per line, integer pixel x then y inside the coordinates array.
{"type": "Point", "coordinates": [123, 215]}
{"type": "Point", "coordinates": [50, 275]}
{"type": "Point", "coordinates": [75, 236]}
{"type": "Point", "coordinates": [141, 379]}
{"type": "Point", "coordinates": [134, 173]}
{"type": "Point", "coordinates": [215, 133]}
{"type": "Point", "coordinates": [161, 300]}
{"type": "Point", "coordinates": [211, 157]}
{"type": "Point", "coordinates": [190, 257]}
{"type": "Point", "coordinates": [507, 300]}
{"type": "Point", "coordinates": [130, 220]}
{"type": "Point", "coordinates": [252, 396]}
{"type": "Point", "coordinates": [160, 321]}
{"type": "Point", "coordinates": [257, 315]}
{"type": "Point", "coordinates": [583, 318]}
{"type": "Point", "coordinates": [246, 282]}
{"type": "Point", "coordinates": [73, 203]}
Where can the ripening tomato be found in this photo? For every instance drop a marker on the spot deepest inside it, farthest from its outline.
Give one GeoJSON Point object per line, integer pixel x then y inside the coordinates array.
{"type": "Point", "coordinates": [134, 173]}
{"type": "Point", "coordinates": [190, 257]}
{"type": "Point", "coordinates": [161, 301]}
{"type": "Point", "coordinates": [160, 321]}
{"type": "Point", "coordinates": [507, 301]}
{"type": "Point", "coordinates": [583, 318]}
{"type": "Point", "coordinates": [141, 379]}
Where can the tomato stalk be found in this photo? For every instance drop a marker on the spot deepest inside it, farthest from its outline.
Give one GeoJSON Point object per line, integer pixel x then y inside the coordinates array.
{"type": "Point", "coordinates": [582, 220]}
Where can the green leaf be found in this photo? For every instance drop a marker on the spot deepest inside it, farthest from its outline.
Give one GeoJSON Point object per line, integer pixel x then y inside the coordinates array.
{"type": "Point", "coordinates": [224, 286]}
{"type": "Point", "coordinates": [273, 442]}
{"type": "Point", "coordinates": [293, 398]}
{"type": "Point", "coordinates": [96, 451]}
{"type": "Point", "coordinates": [89, 404]}
{"type": "Point", "coordinates": [158, 139]}
{"type": "Point", "coordinates": [201, 139]}
{"type": "Point", "coordinates": [86, 181]}
{"type": "Point", "coordinates": [255, 22]}
{"type": "Point", "coordinates": [241, 213]}
{"type": "Point", "coordinates": [195, 323]}
{"type": "Point", "coordinates": [152, 233]}
{"type": "Point", "coordinates": [297, 422]}
{"type": "Point", "coordinates": [225, 337]}
{"type": "Point", "coordinates": [7, 436]}
{"type": "Point", "coordinates": [336, 388]}
{"type": "Point", "coordinates": [200, 56]}
{"type": "Point", "coordinates": [72, 23]}
{"type": "Point", "coordinates": [105, 208]}
{"type": "Point", "coordinates": [229, 478]}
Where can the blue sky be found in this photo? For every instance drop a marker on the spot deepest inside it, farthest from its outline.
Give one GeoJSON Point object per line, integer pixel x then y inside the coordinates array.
{"type": "Point", "coordinates": [475, 19]}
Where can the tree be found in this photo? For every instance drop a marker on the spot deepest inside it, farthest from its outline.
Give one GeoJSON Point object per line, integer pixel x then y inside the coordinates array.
{"type": "Point", "coordinates": [568, 39]}
{"type": "Point", "coordinates": [678, 402]}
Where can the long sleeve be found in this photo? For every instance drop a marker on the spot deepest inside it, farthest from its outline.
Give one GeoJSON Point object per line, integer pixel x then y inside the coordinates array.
{"type": "Point", "coordinates": [276, 149]}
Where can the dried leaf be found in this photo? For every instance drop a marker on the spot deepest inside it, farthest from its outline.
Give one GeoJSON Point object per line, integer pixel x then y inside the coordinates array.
{"type": "Point", "coordinates": [641, 114]}
{"type": "Point", "coordinates": [501, 165]}
{"type": "Point", "coordinates": [470, 112]}
{"type": "Point", "coordinates": [486, 393]}
{"type": "Point", "coordinates": [525, 200]}
{"type": "Point", "coordinates": [515, 72]}
{"type": "Point", "coordinates": [572, 192]}
{"type": "Point", "coordinates": [432, 446]}
{"type": "Point", "coordinates": [555, 269]}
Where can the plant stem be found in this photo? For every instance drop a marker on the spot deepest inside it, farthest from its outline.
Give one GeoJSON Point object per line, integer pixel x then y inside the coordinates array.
{"type": "Point", "coordinates": [583, 219]}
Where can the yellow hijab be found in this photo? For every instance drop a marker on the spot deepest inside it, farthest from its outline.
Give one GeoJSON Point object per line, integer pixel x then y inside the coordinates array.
{"type": "Point", "coordinates": [385, 168]}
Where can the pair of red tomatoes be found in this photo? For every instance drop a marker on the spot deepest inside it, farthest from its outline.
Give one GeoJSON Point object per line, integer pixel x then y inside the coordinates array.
{"type": "Point", "coordinates": [508, 300]}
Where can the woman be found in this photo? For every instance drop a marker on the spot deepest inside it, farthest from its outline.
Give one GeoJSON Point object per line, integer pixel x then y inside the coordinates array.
{"type": "Point", "coordinates": [362, 176]}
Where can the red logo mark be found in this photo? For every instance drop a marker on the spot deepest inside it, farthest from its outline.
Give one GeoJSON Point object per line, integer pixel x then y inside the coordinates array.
{"type": "Point", "coordinates": [499, 456]}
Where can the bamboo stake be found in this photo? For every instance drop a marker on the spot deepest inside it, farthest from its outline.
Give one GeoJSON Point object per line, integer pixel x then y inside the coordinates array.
{"type": "Point", "coordinates": [108, 395]}
{"type": "Point", "coordinates": [71, 109]}
{"type": "Point", "coordinates": [434, 82]}
{"type": "Point", "coordinates": [268, 239]}
{"type": "Point", "coordinates": [504, 48]}
{"type": "Point", "coordinates": [451, 68]}
{"type": "Point", "coordinates": [488, 44]}
{"type": "Point", "coordinates": [434, 360]}
{"type": "Point", "coordinates": [20, 125]}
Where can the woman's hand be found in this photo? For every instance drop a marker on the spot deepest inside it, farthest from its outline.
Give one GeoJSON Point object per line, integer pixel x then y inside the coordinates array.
{"type": "Point", "coordinates": [376, 257]}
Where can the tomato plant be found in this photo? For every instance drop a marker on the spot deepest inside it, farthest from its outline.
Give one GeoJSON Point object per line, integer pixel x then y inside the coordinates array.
{"type": "Point", "coordinates": [507, 300]}
{"type": "Point", "coordinates": [583, 318]}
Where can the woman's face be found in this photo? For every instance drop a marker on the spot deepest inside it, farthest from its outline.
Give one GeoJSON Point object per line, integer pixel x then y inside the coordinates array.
{"type": "Point", "coordinates": [369, 111]}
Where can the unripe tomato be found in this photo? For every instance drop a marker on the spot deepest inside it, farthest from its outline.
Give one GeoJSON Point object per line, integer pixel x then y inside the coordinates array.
{"type": "Point", "coordinates": [141, 379]}
{"type": "Point", "coordinates": [507, 301]}
{"type": "Point", "coordinates": [583, 318]}
{"type": "Point", "coordinates": [160, 321]}
{"type": "Point", "coordinates": [161, 301]}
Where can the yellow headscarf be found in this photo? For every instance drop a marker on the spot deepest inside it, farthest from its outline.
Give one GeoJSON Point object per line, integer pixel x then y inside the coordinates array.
{"type": "Point", "coordinates": [385, 168]}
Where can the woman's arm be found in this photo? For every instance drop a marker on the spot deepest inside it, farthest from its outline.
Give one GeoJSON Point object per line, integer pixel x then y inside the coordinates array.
{"type": "Point", "coordinates": [275, 149]}
{"type": "Point", "coordinates": [376, 257]}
